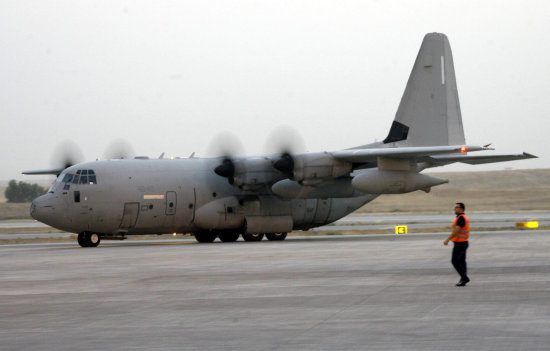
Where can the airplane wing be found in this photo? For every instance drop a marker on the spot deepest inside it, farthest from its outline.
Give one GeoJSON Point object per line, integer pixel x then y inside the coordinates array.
{"type": "Point", "coordinates": [441, 160]}
{"type": "Point", "coordinates": [367, 155]}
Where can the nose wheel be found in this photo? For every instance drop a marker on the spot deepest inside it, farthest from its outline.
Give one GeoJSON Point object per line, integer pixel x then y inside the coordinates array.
{"type": "Point", "coordinates": [87, 239]}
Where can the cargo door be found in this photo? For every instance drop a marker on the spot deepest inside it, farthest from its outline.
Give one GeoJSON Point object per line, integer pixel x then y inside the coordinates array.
{"type": "Point", "coordinates": [130, 215]}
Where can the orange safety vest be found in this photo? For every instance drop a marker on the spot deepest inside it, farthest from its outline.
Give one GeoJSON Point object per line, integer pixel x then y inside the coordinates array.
{"type": "Point", "coordinates": [464, 232]}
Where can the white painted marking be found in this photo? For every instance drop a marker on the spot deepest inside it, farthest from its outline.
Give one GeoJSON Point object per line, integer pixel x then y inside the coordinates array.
{"type": "Point", "coordinates": [442, 70]}
{"type": "Point", "coordinates": [153, 197]}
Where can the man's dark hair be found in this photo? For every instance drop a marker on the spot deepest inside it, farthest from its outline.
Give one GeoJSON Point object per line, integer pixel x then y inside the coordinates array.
{"type": "Point", "coordinates": [461, 205]}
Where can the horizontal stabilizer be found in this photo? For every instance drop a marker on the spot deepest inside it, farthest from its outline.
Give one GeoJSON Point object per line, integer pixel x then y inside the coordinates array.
{"type": "Point", "coordinates": [366, 155]}
{"type": "Point", "coordinates": [440, 160]}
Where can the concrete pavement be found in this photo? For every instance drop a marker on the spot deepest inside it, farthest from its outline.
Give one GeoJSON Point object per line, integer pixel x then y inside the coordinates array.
{"type": "Point", "coordinates": [380, 292]}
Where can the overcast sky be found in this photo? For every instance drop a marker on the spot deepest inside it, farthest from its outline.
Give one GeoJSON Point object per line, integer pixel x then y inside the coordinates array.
{"type": "Point", "coordinates": [170, 76]}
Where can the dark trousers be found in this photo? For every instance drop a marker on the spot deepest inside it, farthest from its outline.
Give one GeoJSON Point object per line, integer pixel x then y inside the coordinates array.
{"type": "Point", "coordinates": [459, 258]}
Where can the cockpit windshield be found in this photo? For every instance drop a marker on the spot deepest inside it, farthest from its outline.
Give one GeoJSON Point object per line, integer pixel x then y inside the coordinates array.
{"type": "Point", "coordinates": [82, 176]}
{"type": "Point", "coordinates": [54, 185]}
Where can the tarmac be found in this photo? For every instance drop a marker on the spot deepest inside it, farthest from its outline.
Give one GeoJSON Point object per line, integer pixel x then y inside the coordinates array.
{"type": "Point", "coordinates": [371, 292]}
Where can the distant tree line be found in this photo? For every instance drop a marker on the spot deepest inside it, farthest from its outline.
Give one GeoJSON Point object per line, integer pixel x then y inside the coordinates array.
{"type": "Point", "coordinates": [23, 192]}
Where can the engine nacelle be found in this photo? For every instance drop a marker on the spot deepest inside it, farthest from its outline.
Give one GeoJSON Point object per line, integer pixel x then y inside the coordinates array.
{"type": "Point", "coordinates": [333, 188]}
{"type": "Point", "coordinates": [250, 173]}
{"type": "Point", "coordinates": [255, 171]}
{"type": "Point", "coordinates": [315, 167]}
{"type": "Point", "coordinates": [375, 181]}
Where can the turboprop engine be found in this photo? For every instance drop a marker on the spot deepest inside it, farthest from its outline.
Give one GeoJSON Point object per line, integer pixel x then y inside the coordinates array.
{"type": "Point", "coordinates": [375, 181]}
{"type": "Point", "coordinates": [312, 168]}
{"type": "Point", "coordinates": [249, 174]}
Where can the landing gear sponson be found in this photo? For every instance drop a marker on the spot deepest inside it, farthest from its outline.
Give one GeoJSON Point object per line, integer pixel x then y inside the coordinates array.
{"type": "Point", "coordinates": [88, 239]}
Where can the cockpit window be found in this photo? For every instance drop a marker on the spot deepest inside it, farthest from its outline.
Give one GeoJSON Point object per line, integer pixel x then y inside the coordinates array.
{"type": "Point", "coordinates": [68, 178]}
{"type": "Point", "coordinates": [76, 178]}
{"type": "Point", "coordinates": [92, 177]}
{"type": "Point", "coordinates": [84, 176]}
{"type": "Point", "coordinates": [54, 185]}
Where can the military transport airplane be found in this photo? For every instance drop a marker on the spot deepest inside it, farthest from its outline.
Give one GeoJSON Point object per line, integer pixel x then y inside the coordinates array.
{"type": "Point", "coordinates": [273, 194]}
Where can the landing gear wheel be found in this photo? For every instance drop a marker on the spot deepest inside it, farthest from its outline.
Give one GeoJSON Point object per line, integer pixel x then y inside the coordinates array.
{"type": "Point", "coordinates": [86, 239]}
{"type": "Point", "coordinates": [205, 237]}
{"type": "Point", "coordinates": [229, 236]}
{"type": "Point", "coordinates": [275, 236]}
{"type": "Point", "coordinates": [80, 239]}
{"type": "Point", "coordinates": [253, 236]}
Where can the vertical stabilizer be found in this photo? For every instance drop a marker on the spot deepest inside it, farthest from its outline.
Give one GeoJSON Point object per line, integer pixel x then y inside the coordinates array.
{"type": "Point", "coordinates": [429, 112]}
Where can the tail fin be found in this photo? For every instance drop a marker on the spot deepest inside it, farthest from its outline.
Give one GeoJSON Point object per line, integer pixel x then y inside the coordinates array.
{"type": "Point", "coordinates": [429, 112]}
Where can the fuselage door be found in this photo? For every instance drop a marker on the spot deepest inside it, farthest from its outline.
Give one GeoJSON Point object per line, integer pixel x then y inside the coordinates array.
{"type": "Point", "coordinates": [130, 215]}
{"type": "Point", "coordinates": [171, 203]}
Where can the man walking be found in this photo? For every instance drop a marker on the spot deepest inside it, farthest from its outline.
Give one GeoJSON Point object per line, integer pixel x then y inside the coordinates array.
{"type": "Point", "coordinates": [459, 236]}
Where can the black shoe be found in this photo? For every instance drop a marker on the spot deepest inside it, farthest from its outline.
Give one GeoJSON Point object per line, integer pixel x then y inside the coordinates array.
{"type": "Point", "coordinates": [463, 282]}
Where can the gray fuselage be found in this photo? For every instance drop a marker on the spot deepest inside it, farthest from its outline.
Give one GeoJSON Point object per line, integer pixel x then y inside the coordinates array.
{"type": "Point", "coordinates": [143, 196]}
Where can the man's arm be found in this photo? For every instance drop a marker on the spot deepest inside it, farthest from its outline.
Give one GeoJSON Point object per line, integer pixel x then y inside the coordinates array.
{"type": "Point", "coordinates": [454, 232]}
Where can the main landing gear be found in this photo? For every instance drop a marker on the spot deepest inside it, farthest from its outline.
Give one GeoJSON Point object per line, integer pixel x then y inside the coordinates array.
{"type": "Point", "coordinates": [206, 237]}
{"type": "Point", "coordinates": [231, 236]}
{"type": "Point", "coordinates": [253, 236]}
{"type": "Point", "coordinates": [87, 239]}
{"type": "Point", "coordinates": [275, 236]}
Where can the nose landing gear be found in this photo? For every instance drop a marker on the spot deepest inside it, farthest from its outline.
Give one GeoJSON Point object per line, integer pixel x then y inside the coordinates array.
{"type": "Point", "coordinates": [87, 239]}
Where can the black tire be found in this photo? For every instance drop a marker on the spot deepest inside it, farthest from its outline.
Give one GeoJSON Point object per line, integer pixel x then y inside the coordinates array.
{"type": "Point", "coordinates": [275, 236]}
{"type": "Point", "coordinates": [87, 239]}
{"type": "Point", "coordinates": [253, 236]}
{"type": "Point", "coordinates": [205, 237]}
{"type": "Point", "coordinates": [228, 237]}
{"type": "Point", "coordinates": [81, 240]}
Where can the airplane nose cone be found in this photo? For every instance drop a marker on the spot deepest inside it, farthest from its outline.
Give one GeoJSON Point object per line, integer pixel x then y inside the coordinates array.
{"type": "Point", "coordinates": [32, 209]}
{"type": "Point", "coordinates": [43, 208]}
